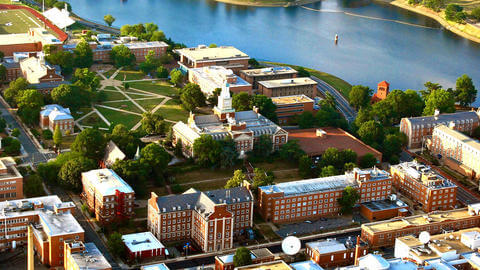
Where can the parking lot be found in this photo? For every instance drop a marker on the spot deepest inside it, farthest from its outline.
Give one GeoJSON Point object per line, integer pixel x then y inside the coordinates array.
{"type": "Point", "coordinates": [315, 226]}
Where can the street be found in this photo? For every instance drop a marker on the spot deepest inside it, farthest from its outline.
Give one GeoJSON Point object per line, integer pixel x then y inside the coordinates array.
{"type": "Point", "coordinates": [342, 104]}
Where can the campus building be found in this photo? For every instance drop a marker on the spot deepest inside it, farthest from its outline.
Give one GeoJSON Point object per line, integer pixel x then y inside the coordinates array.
{"type": "Point", "coordinates": [274, 265]}
{"type": "Point", "coordinates": [317, 197]}
{"type": "Point", "coordinates": [288, 87]}
{"type": "Point", "coordinates": [384, 233]}
{"type": "Point", "coordinates": [11, 181]}
{"type": "Point", "coordinates": [209, 219]}
{"type": "Point", "coordinates": [331, 252]}
{"type": "Point", "coordinates": [315, 141]}
{"type": "Point", "coordinates": [33, 41]}
{"type": "Point", "coordinates": [54, 115]}
{"type": "Point", "coordinates": [377, 262]}
{"type": "Point", "coordinates": [225, 262]}
{"type": "Point", "coordinates": [202, 56]}
{"type": "Point", "coordinates": [39, 74]}
{"type": "Point", "coordinates": [13, 69]}
{"type": "Point", "coordinates": [253, 76]}
{"type": "Point", "coordinates": [243, 127]}
{"type": "Point", "coordinates": [418, 129]}
{"type": "Point", "coordinates": [51, 223]}
{"type": "Point", "coordinates": [210, 78]}
{"type": "Point", "coordinates": [143, 245]}
{"type": "Point", "coordinates": [425, 187]}
{"type": "Point", "coordinates": [290, 106]}
{"type": "Point", "coordinates": [457, 150]}
{"type": "Point", "coordinates": [383, 89]}
{"type": "Point", "coordinates": [107, 195]}
{"type": "Point", "coordinates": [384, 209]}
{"type": "Point", "coordinates": [79, 255]}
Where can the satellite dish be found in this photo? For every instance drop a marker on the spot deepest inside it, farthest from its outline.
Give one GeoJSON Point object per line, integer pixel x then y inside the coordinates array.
{"type": "Point", "coordinates": [291, 245]}
{"type": "Point", "coordinates": [424, 237]}
{"type": "Point", "coordinates": [393, 197]}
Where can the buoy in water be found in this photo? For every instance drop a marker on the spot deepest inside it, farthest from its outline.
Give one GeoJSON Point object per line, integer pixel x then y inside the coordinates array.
{"type": "Point", "coordinates": [336, 38]}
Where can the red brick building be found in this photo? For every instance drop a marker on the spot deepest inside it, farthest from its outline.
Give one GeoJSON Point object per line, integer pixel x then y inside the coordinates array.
{"type": "Point", "coordinates": [143, 245]}
{"type": "Point", "coordinates": [253, 76]}
{"type": "Point", "coordinates": [211, 220]}
{"type": "Point", "coordinates": [53, 115]}
{"type": "Point", "coordinates": [107, 195]}
{"type": "Point", "coordinates": [383, 89]}
{"type": "Point", "coordinates": [225, 262]}
{"type": "Point", "coordinates": [288, 87]}
{"type": "Point", "coordinates": [427, 188]}
{"type": "Point", "coordinates": [384, 233]}
{"type": "Point", "coordinates": [331, 253]}
{"type": "Point", "coordinates": [384, 209]}
{"type": "Point", "coordinates": [290, 106]}
{"type": "Point", "coordinates": [79, 255]}
{"type": "Point", "coordinates": [13, 69]}
{"type": "Point", "coordinates": [11, 181]}
{"type": "Point", "coordinates": [314, 198]}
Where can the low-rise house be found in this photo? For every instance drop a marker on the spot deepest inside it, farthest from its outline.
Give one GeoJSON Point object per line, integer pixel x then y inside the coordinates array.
{"type": "Point", "coordinates": [143, 245]}
{"type": "Point", "coordinates": [335, 252]}
{"type": "Point", "coordinates": [290, 106]}
{"type": "Point", "coordinates": [53, 115]}
{"type": "Point", "coordinates": [253, 76]}
{"type": "Point", "coordinates": [11, 181]}
{"type": "Point", "coordinates": [79, 255]}
{"type": "Point", "coordinates": [288, 87]}
{"type": "Point", "coordinates": [210, 78]}
{"type": "Point", "coordinates": [225, 262]}
{"type": "Point", "coordinates": [40, 74]}
{"type": "Point", "coordinates": [107, 195]}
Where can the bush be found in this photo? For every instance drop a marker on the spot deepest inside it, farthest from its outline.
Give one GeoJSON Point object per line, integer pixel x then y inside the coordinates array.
{"type": "Point", "coordinates": [476, 13]}
{"type": "Point", "coordinates": [177, 188]}
{"type": "Point", "coordinates": [162, 72]}
{"type": "Point", "coordinates": [47, 134]}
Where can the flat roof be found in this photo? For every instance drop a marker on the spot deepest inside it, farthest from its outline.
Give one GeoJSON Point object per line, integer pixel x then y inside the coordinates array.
{"type": "Point", "coordinates": [59, 224]}
{"type": "Point", "coordinates": [314, 145]}
{"type": "Point", "coordinates": [136, 242]}
{"type": "Point", "coordinates": [275, 265]}
{"type": "Point", "coordinates": [306, 265]}
{"type": "Point", "coordinates": [91, 258]}
{"type": "Point", "coordinates": [327, 246]}
{"type": "Point", "coordinates": [416, 170]}
{"type": "Point", "coordinates": [216, 76]}
{"type": "Point", "coordinates": [158, 266]}
{"type": "Point", "coordinates": [418, 220]}
{"type": "Point", "coordinates": [9, 163]}
{"type": "Point", "coordinates": [291, 99]}
{"type": "Point", "coordinates": [292, 82]}
{"type": "Point", "coordinates": [11, 39]}
{"type": "Point", "coordinates": [203, 53]}
{"type": "Point", "coordinates": [459, 136]}
{"type": "Point", "coordinates": [384, 205]}
{"type": "Point", "coordinates": [106, 181]}
{"type": "Point", "coordinates": [149, 44]}
{"type": "Point", "coordinates": [269, 71]}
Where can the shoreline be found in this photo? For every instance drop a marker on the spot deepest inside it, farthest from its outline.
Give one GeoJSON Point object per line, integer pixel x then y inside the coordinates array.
{"type": "Point", "coordinates": [259, 3]}
{"type": "Point", "coordinates": [451, 26]}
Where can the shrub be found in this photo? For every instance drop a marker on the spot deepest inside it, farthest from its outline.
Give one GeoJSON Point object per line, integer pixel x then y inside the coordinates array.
{"type": "Point", "coordinates": [47, 134]}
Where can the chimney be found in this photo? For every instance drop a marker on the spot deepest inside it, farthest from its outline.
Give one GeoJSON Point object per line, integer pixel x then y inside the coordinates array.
{"type": "Point", "coordinates": [357, 250]}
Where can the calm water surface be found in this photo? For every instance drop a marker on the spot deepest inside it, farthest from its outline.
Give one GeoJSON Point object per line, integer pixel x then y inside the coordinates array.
{"type": "Point", "coordinates": [369, 50]}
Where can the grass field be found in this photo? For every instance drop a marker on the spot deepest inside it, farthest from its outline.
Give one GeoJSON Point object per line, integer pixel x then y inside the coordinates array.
{"type": "Point", "coordinates": [171, 110]}
{"type": "Point", "coordinates": [17, 22]}
{"type": "Point", "coordinates": [115, 117]}
{"type": "Point", "coordinates": [149, 104]}
{"type": "Point", "coordinates": [93, 120]}
{"type": "Point", "coordinates": [111, 96]}
{"type": "Point", "coordinates": [124, 105]}
{"type": "Point", "coordinates": [126, 75]}
{"type": "Point", "coordinates": [160, 88]}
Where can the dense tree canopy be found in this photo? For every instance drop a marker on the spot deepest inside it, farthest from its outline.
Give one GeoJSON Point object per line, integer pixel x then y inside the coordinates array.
{"type": "Point", "coordinates": [261, 178]}
{"type": "Point", "coordinates": [265, 106]}
{"type": "Point", "coordinates": [439, 99]}
{"type": "Point", "coordinates": [83, 55]}
{"type": "Point", "coordinates": [109, 19]}
{"type": "Point", "coordinates": [360, 96]}
{"type": "Point", "coordinates": [90, 143]}
{"type": "Point", "coordinates": [371, 132]}
{"type": "Point", "coordinates": [242, 101]}
{"type": "Point", "coordinates": [348, 200]}
{"type": "Point", "coordinates": [367, 161]}
{"type": "Point", "coordinates": [122, 56]}
{"type": "Point", "coordinates": [29, 103]}
{"type": "Point", "coordinates": [207, 151]}
{"type": "Point", "coordinates": [242, 257]}
{"type": "Point", "coordinates": [192, 97]}
{"type": "Point", "coordinates": [71, 171]}
{"type": "Point", "coordinates": [176, 77]}
{"type": "Point", "coordinates": [153, 123]}
{"type": "Point", "coordinates": [465, 91]}
{"type": "Point", "coordinates": [155, 156]}
{"type": "Point", "coordinates": [236, 180]}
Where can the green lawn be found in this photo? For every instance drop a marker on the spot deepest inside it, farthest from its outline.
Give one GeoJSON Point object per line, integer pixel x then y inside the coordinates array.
{"type": "Point", "coordinates": [124, 105]}
{"type": "Point", "coordinates": [337, 83]}
{"type": "Point", "coordinates": [160, 88]}
{"type": "Point", "coordinates": [81, 112]}
{"type": "Point", "coordinates": [93, 120]}
{"type": "Point", "coordinates": [109, 73]}
{"type": "Point", "coordinates": [149, 104]}
{"type": "Point", "coordinates": [110, 96]}
{"type": "Point", "coordinates": [171, 110]}
{"type": "Point", "coordinates": [17, 21]}
{"type": "Point", "coordinates": [115, 117]}
{"type": "Point", "coordinates": [126, 75]}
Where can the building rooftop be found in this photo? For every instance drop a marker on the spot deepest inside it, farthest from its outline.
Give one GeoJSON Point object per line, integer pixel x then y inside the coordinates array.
{"type": "Point", "coordinates": [137, 242]}
{"type": "Point", "coordinates": [216, 76]}
{"type": "Point", "coordinates": [159, 266]}
{"type": "Point", "coordinates": [445, 118]}
{"type": "Point", "coordinates": [337, 182]}
{"type": "Point", "coordinates": [418, 220]}
{"type": "Point", "coordinates": [472, 143]}
{"type": "Point", "coordinates": [268, 71]}
{"type": "Point", "coordinates": [370, 263]}
{"type": "Point", "coordinates": [59, 224]}
{"type": "Point", "coordinates": [90, 259]}
{"type": "Point", "coordinates": [106, 181]}
{"type": "Point", "coordinates": [423, 174]}
{"type": "Point", "coordinates": [12, 39]}
{"type": "Point", "coordinates": [7, 165]}
{"type": "Point", "coordinates": [315, 141]}
{"type": "Point", "coordinates": [384, 204]}
{"type": "Point", "coordinates": [256, 253]}
{"type": "Point", "coordinates": [36, 68]}
{"type": "Point", "coordinates": [149, 44]}
{"type": "Point", "coordinates": [291, 99]}
{"type": "Point", "coordinates": [327, 246]}
{"type": "Point", "coordinates": [275, 265]}
{"type": "Point", "coordinates": [288, 82]}
{"type": "Point", "coordinates": [204, 53]}
{"type": "Point", "coordinates": [306, 265]}
{"type": "Point", "coordinates": [112, 154]}
{"type": "Point", "coordinates": [56, 112]}
{"type": "Point", "coordinates": [203, 202]}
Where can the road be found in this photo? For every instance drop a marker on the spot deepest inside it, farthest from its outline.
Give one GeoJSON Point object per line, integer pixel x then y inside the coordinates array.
{"type": "Point", "coordinates": [342, 104]}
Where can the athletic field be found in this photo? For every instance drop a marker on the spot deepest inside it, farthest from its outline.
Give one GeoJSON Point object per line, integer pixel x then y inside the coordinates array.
{"type": "Point", "coordinates": [17, 21]}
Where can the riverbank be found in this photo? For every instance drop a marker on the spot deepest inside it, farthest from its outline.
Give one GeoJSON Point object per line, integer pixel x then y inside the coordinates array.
{"type": "Point", "coordinates": [467, 31]}
{"type": "Point", "coordinates": [268, 3]}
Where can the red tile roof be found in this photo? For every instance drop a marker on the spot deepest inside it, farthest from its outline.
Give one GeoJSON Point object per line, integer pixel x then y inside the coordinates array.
{"type": "Point", "coordinates": [384, 83]}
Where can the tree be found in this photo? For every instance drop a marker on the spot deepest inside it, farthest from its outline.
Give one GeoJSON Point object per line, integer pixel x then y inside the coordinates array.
{"type": "Point", "coordinates": [371, 132]}
{"type": "Point", "coordinates": [2, 55]}
{"type": "Point", "coordinates": [367, 161]}
{"type": "Point", "coordinates": [253, 63]}
{"type": "Point", "coordinates": [207, 150]}
{"type": "Point", "coordinates": [349, 166]}
{"type": "Point", "coordinates": [476, 13]}
{"type": "Point", "coordinates": [265, 107]}
{"type": "Point", "coordinates": [135, 173]}
{"type": "Point", "coordinates": [61, 5]}
{"type": "Point", "coordinates": [11, 146]}
{"type": "Point", "coordinates": [392, 145]}
{"type": "Point", "coordinates": [29, 103]}
{"type": "Point", "coordinates": [150, 63]}
{"type": "Point", "coordinates": [14, 88]}
{"type": "Point", "coordinates": [328, 171]}
{"type": "Point", "coordinates": [3, 124]}
{"type": "Point", "coordinates": [363, 115]}
{"type": "Point", "coordinates": [454, 12]}
{"type": "Point", "coordinates": [465, 92]}
{"type": "Point", "coordinates": [125, 140]}
{"type": "Point", "coordinates": [62, 58]}
{"type": "Point", "coordinates": [33, 187]}
{"type": "Point", "coordinates": [229, 155]}
{"type": "Point", "coordinates": [116, 245]}
{"type": "Point", "coordinates": [176, 77]}
{"type": "Point", "coordinates": [306, 120]}
{"type": "Point", "coordinates": [441, 100]}
{"type": "Point", "coordinates": [360, 96]}
{"type": "Point", "coordinates": [15, 132]}
{"type": "Point", "coordinates": [430, 87]}
{"type": "Point", "coordinates": [213, 45]}
{"type": "Point", "coordinates": [213, 98]}
{"type": "Point", "coordinates": [263, 146]}
{"type": "Point", "coordinates": [192, 97]}
{"type": "Point", "coordinates": [83, 55]}
{"type": "Point", "coordinates": [384, 112]}
{"type": "Point", "coordinates": [153, 123]}
{"type": "Point", "coordinates": [71, 172]}
{"type": "Point", "coordinates": [348, 200]}
{"type": "Point", "coordinates": [301, 72]}
{"type": "Point", "coordinates": [261, 178]}
{"type": "Point", "coordinates": [86, 80]}
{"type": "Point", "coordinates": [57, 136]}
{"type": "Point", "coordinates": [305, 166]}
{"type": "Point", "coordinates": [3, 73]}
{"type": "Point", "coordinates": [414, 104]}
{"type": "Point", "coordinates": [242, 257]}
{"type": "Point", "coordinates": [109, 19]}
{"type": "Point", "coordinates": [67, 96]}
{"type": "Point", "coordinates": [162, 72]}
{"type": "Point", "coordinates": [47, 134]}
{"type": "Point", "coordinates": [291, 150]}
{"type": "Point", "coordinates": [236, 180]}
{"type": "Point", "coordinates": [126, 86]}
{"type": "Point", "coordinates": [90, 143]}
{"type": "Point", "coordinates": [241, 101]}
{"type": "Point", "coordinates": [122, 56]}
{"type": "Point", "coordinates": [155, 156]}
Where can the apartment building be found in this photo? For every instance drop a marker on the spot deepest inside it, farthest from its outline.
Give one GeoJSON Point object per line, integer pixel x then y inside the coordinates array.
{"type": "Point", "coordinates": [53, 115]}
{"type": "Point", "coordinates": [427, 188]}
{"type": "Point", "coordinates": [107, 195]}
{"type": "Point", "coordinates": [210, 78]}
{"type": "Point", "coordinates": [457, 150]}
{"type": "Point", "coordinates": [11, 181]}
{"type": "Point", "coordinates": [317, 197]}
{"type": "Point", "coordinates": [331, 252]}
{"type": "Point", "coordinates": [243, 127]}
{"type": "Point", "coordinates": [211, 220]}
{"type": "Point", "coordinates": [51, 224]}
{"type": "Point", "coordinates": [253, 76]}
{"type": "Point", "coordinates": [79, 255]}
{"type": "Point", "coordinates": [225, 262]}
{"type": "Point", "coordinates": [288, 87]}
{"type": "Point", "coordinates": [202, 56]}
{"type": "Point", "coordinates": [418, 129]}
{"type": "Point", "coordinates": [290, 106]}
{"type": "Point", "coordinates": [384, 233]}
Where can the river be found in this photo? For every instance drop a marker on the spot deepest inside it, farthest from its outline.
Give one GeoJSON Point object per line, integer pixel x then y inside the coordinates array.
{"type": "Point", "coordinates": [369, 50]}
